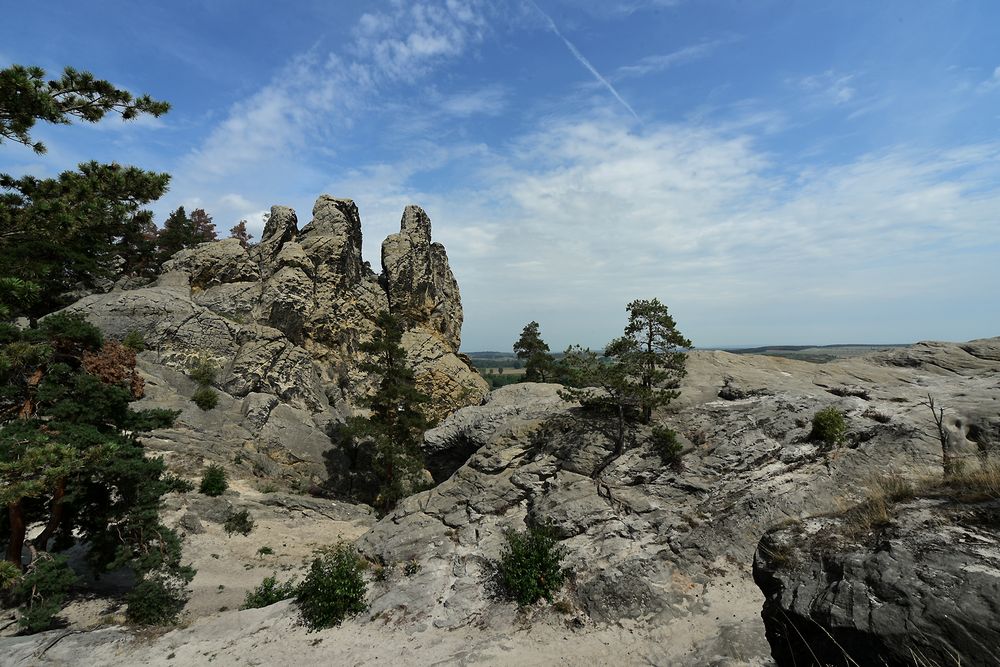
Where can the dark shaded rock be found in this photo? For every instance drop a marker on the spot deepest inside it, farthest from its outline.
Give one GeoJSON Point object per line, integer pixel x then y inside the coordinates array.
{"type": "Point", "coordinates": [923, 589]}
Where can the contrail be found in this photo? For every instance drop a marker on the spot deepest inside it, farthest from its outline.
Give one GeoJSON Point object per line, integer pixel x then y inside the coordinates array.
{"type": "Point", "coordinates": [586, 63]}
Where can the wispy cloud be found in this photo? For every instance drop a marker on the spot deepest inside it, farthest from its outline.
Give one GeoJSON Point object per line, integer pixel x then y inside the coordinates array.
{"type": "Point", "coordinates": [830, 86]}
{"type": "Point", "coordinates": [267, 145]}
{"type": "Point", "coordinates": [586, 63]}
{"type": "Point", "coordinates": [992, 83]}
{"type": "Point", "coordinates": [661, 62]}
{"type": "Point", "coordinates": [488, 100]}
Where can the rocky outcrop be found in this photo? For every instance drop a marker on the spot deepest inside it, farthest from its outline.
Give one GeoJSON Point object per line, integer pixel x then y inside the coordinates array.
{"type": "Point", "coordinates": [922, 589]}
{"type": "Point", "coordinates": [283, 322]}
{"type": "Point", "coordinates": [647, 543]}
{"type": "Point", "coordinates": [419, 282]}
{"type": "Point", "coordinates": [660, 557]}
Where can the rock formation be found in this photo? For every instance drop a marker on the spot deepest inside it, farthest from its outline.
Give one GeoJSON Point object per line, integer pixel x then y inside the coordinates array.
{"type": "Point", "coordinates": [283, 322]}
{"type": "Point", "coordinates": [921, 590]}
{"type": "Point", "coordinates": [660, 558]}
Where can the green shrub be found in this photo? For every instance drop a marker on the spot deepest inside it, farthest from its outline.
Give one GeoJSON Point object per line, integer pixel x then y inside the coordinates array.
{"type": "Point", "coordinates": [205, 398]}
{"type": "Point", "coordinates": [156, 600]}
{"type": "Point", "coordinates": [239, 522]}
{"type": "Point", "coordinates": [529, 566]}
{"type": "Point", "coordinates": [134, 341]}
{"type": "Point", "coordinates": [269, 592]}
{"type": "Point", "coordinates": [213, 482]}
{"type": "Point", "coordinates": [828, 427]}
{"type": "Point", "coordinates": [333, 589]}
{"type": "Point", "coordinates": [9, 574]}
{"type": "Point", "coordinates": [666, 444]}
{"type": "Point", "coordinates": [178, 484]}
{"type": "Point", "coordinates": [203, 372]}
{"type": "Point", "coordinates": [42, 591]}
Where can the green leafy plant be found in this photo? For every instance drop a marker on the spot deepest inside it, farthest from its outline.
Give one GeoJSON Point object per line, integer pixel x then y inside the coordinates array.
{"type": "Point", "coordinates": [265, 551]}
{"type": "Point", "coordinates": [134, 341]}
{"type": "Point", "coordinates": [158, 599]}
{"type": "Point", "coordinates": [205, 398]}
{"type": "Point", "coordinates": [333, 589]}
{"type": "Point", "coordinates": [41, 592]}
{"type": "Point", "coordinates": [239, 522]}
{"type": "Point", "coordinates": [177, 484]}
{"type": "Point", "coordinates": [269, 592]}
{"type": "Point", "coordinates": [203, 372]}
{"type": "Point", "coordinates": [828, 427]}
{"type": "Point", "coordinates": [9, 574]}
{"type": "Point", "coordinates": [666, 444]}
{"type": "Point", "coordinates": [213, 482]}
{"type": "Point", "coordinates": [530, 566]}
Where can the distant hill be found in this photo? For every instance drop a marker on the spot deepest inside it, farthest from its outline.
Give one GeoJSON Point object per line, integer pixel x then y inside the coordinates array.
{"type": "Point", "coordinates": [819, 354]}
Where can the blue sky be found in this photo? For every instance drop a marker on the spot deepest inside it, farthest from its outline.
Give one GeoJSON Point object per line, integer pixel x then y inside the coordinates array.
{"type": "Point", "coordinates": [774, 171]}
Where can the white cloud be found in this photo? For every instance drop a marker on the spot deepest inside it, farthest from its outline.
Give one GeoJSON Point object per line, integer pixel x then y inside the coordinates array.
{"type": "Point", "coordinates": [489, 100]}
{"type": "Point", "coordinates": [664, 61]}
{"type": "Point", "coordinates": [830, 87]}
{"type": "Point", "coordinates": [586, 215]}
{"type": "Point", "coordinates": [991, 83]}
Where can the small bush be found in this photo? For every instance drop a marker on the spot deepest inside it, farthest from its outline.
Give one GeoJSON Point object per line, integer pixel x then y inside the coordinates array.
{"type": "Point", "coordinates": [333, 589]}
{"type": "Point", "coordinates": [134, 341]}
{"type": "Point", "coordinates": [529, 567]}
{"type": "Point", "coordinates": [42, 591]}
{"type": "Point", "coordinates": [828, 427]}
{"type": "Point", "coordinates": [265, 551]}
{"type": "Point", "coordinates": [203, 372]}
{"type": "Point", "coordinates": [205, 398]}
{"type": "Point", "coordinates": [666, 444]}
{"type": "Point", "coordinates": [9, 574]}
{"type": "Point", "coordinates": [156, 600]}
{"type": "Point", "coordinates": [269, 592]}
{"type": "Point", "coordinates": [177, 484]}
{"type": "Point", "coordinates": [239, 522]}
{"type": "Point", "coordinates": [213, 482]}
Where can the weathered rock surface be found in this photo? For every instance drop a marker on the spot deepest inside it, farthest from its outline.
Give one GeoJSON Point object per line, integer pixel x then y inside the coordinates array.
{"type": "Point", "coordinates": [645, 542]}
{"type": "Point", "coordinates": [285, 319]}
{"type": "Point", "coordinates": [923, 589]}
{"type": "Point", "coordinates": [661, 557]}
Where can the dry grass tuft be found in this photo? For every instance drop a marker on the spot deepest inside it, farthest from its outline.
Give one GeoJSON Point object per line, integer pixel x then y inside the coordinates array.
{"type": "Point", "coordinates": [875, 510]}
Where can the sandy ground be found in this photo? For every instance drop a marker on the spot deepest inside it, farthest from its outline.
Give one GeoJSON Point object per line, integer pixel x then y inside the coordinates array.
{"type": "Point", "coordinates": [273, 636]}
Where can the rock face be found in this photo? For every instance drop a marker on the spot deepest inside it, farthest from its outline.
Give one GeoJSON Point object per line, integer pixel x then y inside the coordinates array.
{"type": "Point", "coordinates": [282, 322]}
{"type": "Point", "coordinates": [922, 589]}
{"type": "Point", "coordinates": [660, 557]}
{"type": "Point", "coordinates": [648, 544]}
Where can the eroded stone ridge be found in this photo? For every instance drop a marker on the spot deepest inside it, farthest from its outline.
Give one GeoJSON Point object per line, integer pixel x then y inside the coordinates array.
{"type": "Point", "coordinates": [287, 316]}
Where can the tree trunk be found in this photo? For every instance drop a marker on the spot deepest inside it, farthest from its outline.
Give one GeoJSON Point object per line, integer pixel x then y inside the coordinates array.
{"type": "Point", "coordinates": [15, 513]}
{"type": "Point", "coordinates": [55, 517]}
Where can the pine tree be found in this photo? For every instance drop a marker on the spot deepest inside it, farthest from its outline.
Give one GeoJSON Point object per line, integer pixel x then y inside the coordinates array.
{"type": "Point", "coordinates": [240, 233]}
{"type": "Point", "coordinates": [174, 236]}
{"type": "Point", "coordinates": [81, 228]}
{"type": "Point", "coordinates": [530, 347]}
{"type": "Point", "coordinates": [202, 228]}
{"type": "Point", "coordinates": [659, 357]}
{"type": "Point", "coordinates": [638, 372]}
{"type": "Point", "coordinates": [70, 458]}
{"type": "Point", "coordinates": [394, 429]}
{"type": "Point", "coordinates": [26, 98]}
